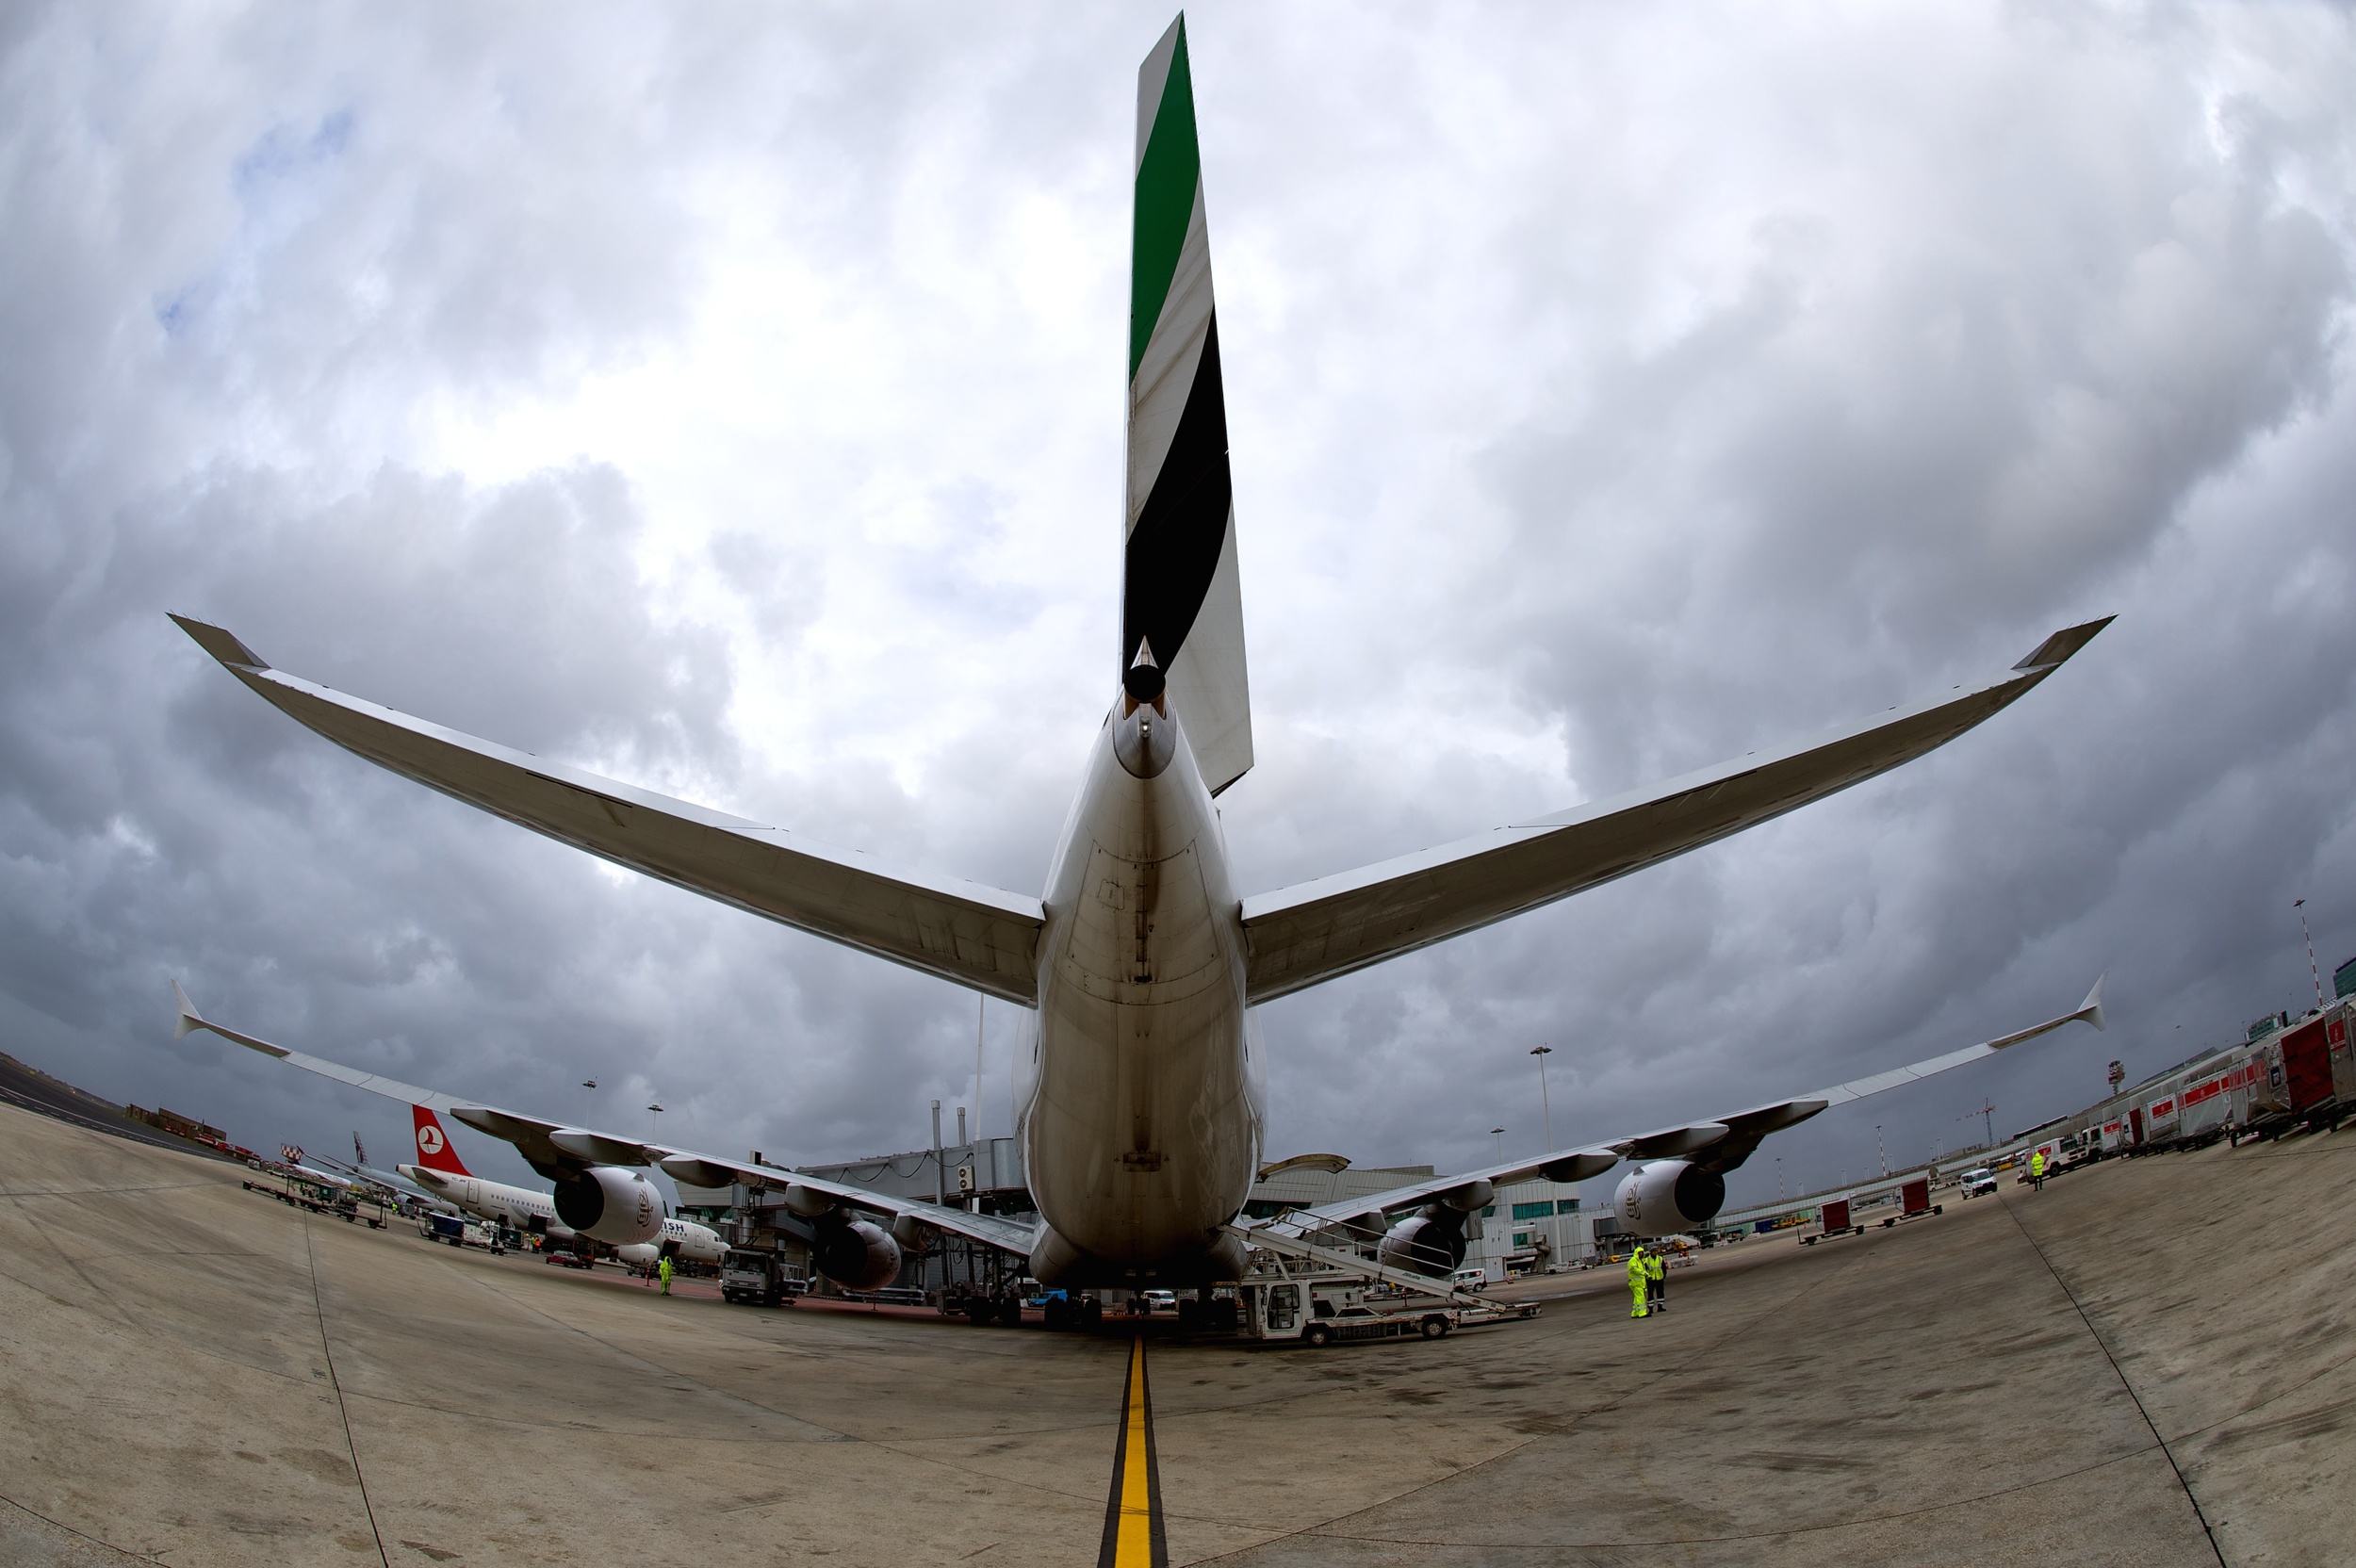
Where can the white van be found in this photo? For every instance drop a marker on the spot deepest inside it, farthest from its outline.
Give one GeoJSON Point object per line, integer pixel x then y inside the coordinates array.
{"type": "Point", "coordinates": [1469, 1278]}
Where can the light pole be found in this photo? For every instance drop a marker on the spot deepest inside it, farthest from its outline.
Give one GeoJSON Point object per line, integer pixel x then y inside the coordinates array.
{"type": "Point", "coordinates": [1544, 1111]}
{"type": "Point", "coordinates": [1499, 1133]}
{"type": "Point", "coordinates": [654, 1121]}
{"type": "Point", "coordinates": [2313, 968]}
{"type": "Point", "coordinates": [1880, 1150]}
{"type": "Point", "coordinates": [588, 1102]}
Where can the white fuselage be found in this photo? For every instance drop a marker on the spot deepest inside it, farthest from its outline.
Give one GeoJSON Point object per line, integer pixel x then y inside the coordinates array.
{"type": "Point", "coordinates": [517, 1207]}
{"type": "Point", "coordinates": [514, 1207]}
{"type": "Point", "coordinates": [1143, 1100]}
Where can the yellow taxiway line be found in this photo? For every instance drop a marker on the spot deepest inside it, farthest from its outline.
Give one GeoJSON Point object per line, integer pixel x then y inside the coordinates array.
{"type": "Point", "coordinates": [1133, 1513]}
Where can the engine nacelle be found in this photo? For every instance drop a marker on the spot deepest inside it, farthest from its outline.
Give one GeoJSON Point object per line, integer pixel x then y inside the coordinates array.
{"type": "Point", "coordinates": [611, 1204]}
{"type": "Point", "coordinates": [1668, 1197]}
{"type": "Point", "coordinates": [855, 1254]}
{"type": "Point", "coordinates": [1429, 1241]}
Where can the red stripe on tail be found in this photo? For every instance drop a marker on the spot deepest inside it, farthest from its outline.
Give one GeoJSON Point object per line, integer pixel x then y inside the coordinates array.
{"type": "Point", "coordinates": [433, 1150]}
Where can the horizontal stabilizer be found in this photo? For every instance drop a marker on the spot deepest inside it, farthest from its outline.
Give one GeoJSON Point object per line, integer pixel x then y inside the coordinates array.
{"type": "Point", "coordinates": [961, 931]}
{"type": "Point", "coordinates": [1301, 936]}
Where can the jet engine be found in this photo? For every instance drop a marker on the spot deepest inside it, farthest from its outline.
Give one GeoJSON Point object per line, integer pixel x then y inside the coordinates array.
{"type": "Point", "coordinates": [1432, 1240]}
{"type": "Point", "coordinates": [611, 1204]}
{"type": "Point", "coordinates": [1669, 1197]}
{"type": "Point", "coordinates": [855, 1254]}
{"type": "Point", "coordinates": [1426, 1242]}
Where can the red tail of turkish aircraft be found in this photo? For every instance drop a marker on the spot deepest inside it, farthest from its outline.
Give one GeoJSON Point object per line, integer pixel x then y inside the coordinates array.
{"type": "Point", "coordinates": [433, 1150]}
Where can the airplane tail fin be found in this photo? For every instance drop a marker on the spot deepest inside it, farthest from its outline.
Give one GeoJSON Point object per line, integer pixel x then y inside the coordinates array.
{"type": "Point", "coordinates": [1182, 597]}
{"type": "Point", "coordinates": [433, 1150]}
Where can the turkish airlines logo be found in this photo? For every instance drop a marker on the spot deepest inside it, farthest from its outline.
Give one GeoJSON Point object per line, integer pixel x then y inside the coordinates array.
{"type": "Point", "coordinates": [430, 1139]}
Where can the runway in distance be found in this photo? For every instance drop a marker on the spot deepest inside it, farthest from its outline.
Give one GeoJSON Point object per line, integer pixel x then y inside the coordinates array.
{"type": "Point", "coordinates": [1141, 1093]}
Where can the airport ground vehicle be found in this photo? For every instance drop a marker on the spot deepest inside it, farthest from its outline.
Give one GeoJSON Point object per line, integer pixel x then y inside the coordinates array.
{"type": "Point", "coordinates": [978, 1306]}
{"type": "Point", "coordinates": [1320, 1306]}
{"type": "Point", "coordinates": [1160, 1300]}
{"type": "Point", "coordinates": [1066, 1310]}
{"type": "Point", "coordinates": [1470, 1279]}
{"type": "Point", "coordinates": [1914, 1202]}
{"type": "Point", "coordinates": [757, 1278]}
{"type": "Point", "coordinates": [1362, 1321]}
{"type": "Point", "coordinates": [889, 1296]}
{"type": "Point", "coordinates": [2290, 1073]}
{"type": "Point", "coordinates": [1978, 1181]}
{"type": "Point", "coordinates": [1834, 1220]}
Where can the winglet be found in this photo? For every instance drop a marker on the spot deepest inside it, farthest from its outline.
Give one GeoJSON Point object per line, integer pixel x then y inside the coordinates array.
{"type": "Point", "coordinates": [2092, 1009]}
{"type": "Point", "coordinates": [190, 1021]}
{"type": "Point", "coordinates": [220, 643]}
{"type": "Point", "coordinates": [2053, 652]}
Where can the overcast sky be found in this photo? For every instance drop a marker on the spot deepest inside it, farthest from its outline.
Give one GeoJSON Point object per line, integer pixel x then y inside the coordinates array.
{"type": "Point", "coordinates": [729, 398]}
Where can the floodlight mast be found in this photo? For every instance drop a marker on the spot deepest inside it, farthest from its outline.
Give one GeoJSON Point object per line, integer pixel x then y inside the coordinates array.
{"type": "Point", "coordinates": [1544, 1111]}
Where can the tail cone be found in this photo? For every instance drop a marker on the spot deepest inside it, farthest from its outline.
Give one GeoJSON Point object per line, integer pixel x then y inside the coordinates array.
{"type": "Point", "coordinates": [1143, 680]}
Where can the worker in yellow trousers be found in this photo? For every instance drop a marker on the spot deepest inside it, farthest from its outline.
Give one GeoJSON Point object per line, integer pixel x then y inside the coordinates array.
{"type": "Point", "coordinates": [1639, 1284]}
{"type": "Point", "coordinates": [663, 1268]}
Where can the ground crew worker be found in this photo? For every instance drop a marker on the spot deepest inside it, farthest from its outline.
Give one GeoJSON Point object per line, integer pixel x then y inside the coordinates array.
{"type": "Point", "coordinates": [664, 1269]}
{"type": "Point", "coordinates": [1639, 1284]}
{"type": "Point", "coordinates": [1656, 1282]}
{"type": "Point", "coordinates": [2036, 1170]}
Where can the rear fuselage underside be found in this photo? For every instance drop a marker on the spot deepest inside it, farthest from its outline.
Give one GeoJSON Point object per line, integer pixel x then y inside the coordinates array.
{"type": "Point", "coordinates": [1142, 1106]}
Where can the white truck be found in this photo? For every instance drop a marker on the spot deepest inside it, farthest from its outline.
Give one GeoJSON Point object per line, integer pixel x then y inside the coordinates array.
{"type": "Point", "coordinates": [756, 1278]}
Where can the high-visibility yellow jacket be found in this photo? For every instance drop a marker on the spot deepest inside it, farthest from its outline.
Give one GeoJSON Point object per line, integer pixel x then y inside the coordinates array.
{"type": "Point", "coordinates": [2037, 1163]}
{"type": "Point", "coordinates": [1638, 1270]}
{"type": "Point", "coordinates": [1655, 1269]}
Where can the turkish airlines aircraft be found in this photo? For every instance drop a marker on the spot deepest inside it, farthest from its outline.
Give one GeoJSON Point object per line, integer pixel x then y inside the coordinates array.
{"type": "Point", "coordinates": [1141, 1107]}
{"type": "Point", "coordinates": [641, 1226]}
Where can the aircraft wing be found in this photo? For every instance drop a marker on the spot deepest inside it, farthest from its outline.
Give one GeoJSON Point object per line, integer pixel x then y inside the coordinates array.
{"type": "Point", "coordinates": [1719, 1145]}
{"type": "Point", "coordinates": [1299, 936]}
{"type": "Point", "coordinates": [961, 931]}
{"type": "Point", "coordinates": [558, 1150]}
{"type": "Point", "coordinates": [702, 1170]}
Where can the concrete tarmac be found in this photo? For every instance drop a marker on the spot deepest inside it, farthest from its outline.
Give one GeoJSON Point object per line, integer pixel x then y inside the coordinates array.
{"type": "Point", "coordinates": [2148, 1362]}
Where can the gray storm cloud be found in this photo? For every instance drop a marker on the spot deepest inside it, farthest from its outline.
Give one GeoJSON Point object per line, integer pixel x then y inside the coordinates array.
{"type": "Point", "coordinates": [729, 401]}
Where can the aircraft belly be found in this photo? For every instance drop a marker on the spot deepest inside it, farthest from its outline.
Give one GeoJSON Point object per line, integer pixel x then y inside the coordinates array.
{"type": "Point", "coordinates": [1142, 1127]}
